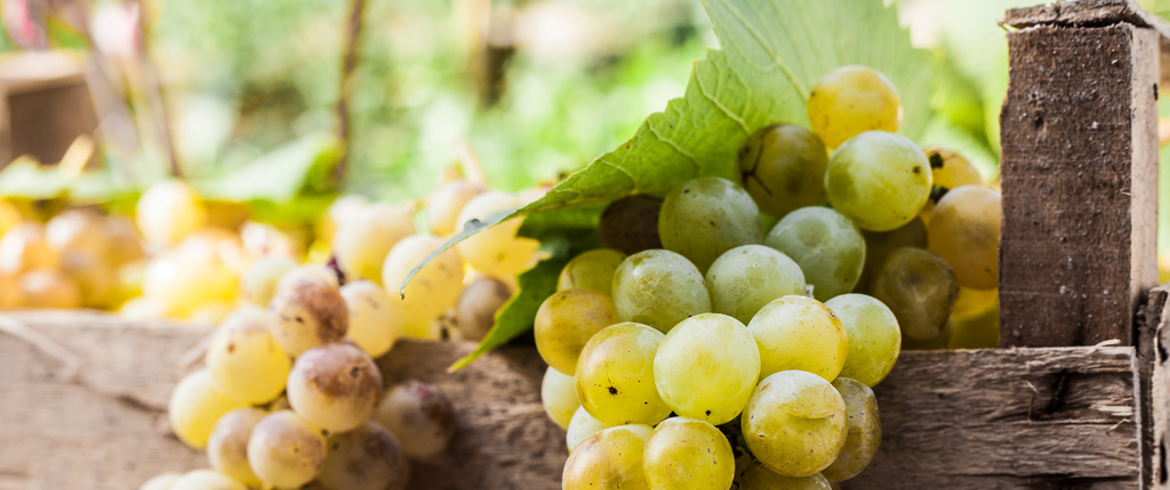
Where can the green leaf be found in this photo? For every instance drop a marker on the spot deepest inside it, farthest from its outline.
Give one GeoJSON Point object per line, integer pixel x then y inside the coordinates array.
{"type": "Point", "coordinates": [25, 178]}
{"type": "Point", "coordinates": [279, 176]}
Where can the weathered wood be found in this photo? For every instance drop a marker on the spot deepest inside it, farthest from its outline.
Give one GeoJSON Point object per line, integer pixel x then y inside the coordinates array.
{"type": "Point", "coordinates": [45, 105]}
{"type": "Point", "coordinates": [1155, 414]}
{"type": "Point", "coordinates": [1079, 163]}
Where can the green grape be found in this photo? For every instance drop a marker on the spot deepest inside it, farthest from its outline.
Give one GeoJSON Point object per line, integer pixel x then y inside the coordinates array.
{"type": "Point", "coordinates": [205, 480]}
{"type": "Point", "coordinates": [874, 337]}
{"type": "Point", "coordinates": [160, 482]}
{"type": "Point", "coordinates": [259, 282]}
{"type": "Point", "coordinates": [975, 332]}
{"type": "Point", "coordinates": [864, 427]}
{"type": "Point", "coordinates": [496, 251]}
{"type": "Point", "coordinates": [798, 332]}
{"type": "Point", "coordinates": [615, 376]}
{"type": "Point", "coordinates": [558, 394]}
{"type": "Point", "coordinates": [795, 423]}
{"type": "Point", "coordinates": [581, 426]}
{"type": "Point", "coordinates": [566, 321]}
{"type": "Point", "coordinates": [948, 170]}
{"type": "Point", "coordinates": [196, 405]}
{"type": "Point", "coordinates": [783, 166]}
{"type": "Point", "coordinates": [828, 247]}
{"type": "Point", "coordinates": [609, 459]}
{"type": "Point", "coordinates": [335, 386]}
{"type": "Point", "coordinates": [937, 343]}
{"type": "Point", "coordinates": [169, 211]}
{"type": "Point", "coordinates": [919, 287]}
{"type": "Point", "coordinates": [707, 367]}
{"type": "Point", "coordinates": [25, 248]}
{"type": "Point", "coordinates": [591, 270]}
{"type": "Point", "coordinates": [759, 477]}
{"type": "Point", "coordinates": [851, 100]}
{"type": "Point", "coordinates": [365, 237]}
{"type": "Point", "coordinates": [475, 312]}
{"type": "Point", "coordinates": [375, 320]}
{"type": "Point", "coordinates": [964, 230]}
{"type": "Point", "coordinates": [420, 416]}
{"type": "Point", "coordinates": [445, 203]}
{"type": "Point", "coordinates": [49, 289]}
{"type": "Point", "coordinates": [879, 244]}
{"type": "Point", "coordinates": [286, 451]}
{"type": "Point", "coordinates": [687, 453]}
{"type": "Point", "coordinates": [746, 278]}
{"type": "Point", "coordinates": [307, 311]}
{"type": "Point", "coordinates": [706, 217]}
{"type": "Point", "coordinates": [245, 359]}
{"type": "Point", "coordinates": [431, 292]}
{"type": "Point", "coordinates": [658, 288]}
{"type": "Point", "coordinates": [227, 449]}
{"type": "Point", "coordinates": [366, 458]}
{"type": "Point", "coordinates": [630, 225]}
{"type": "Point", "coordinates": [879, 180]}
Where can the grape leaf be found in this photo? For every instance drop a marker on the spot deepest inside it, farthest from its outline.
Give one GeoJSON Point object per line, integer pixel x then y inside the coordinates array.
{"type": "Point", "coordinates": [279, 176]}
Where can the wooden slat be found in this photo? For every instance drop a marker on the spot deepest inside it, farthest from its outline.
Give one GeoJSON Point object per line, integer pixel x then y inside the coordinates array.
{"type": "Point", "coordinates": [1155, 415]}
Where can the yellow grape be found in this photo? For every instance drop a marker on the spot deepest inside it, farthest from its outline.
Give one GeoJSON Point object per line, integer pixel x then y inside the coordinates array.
{"type": "Point", "coordinates": [94, 277]}
{"type": "Point", "coordinates": [864, 430]}
{"type": "Point", "coordinates": [258, 284]}
{"type": "Point", "coordinates": [420, 415]}
{"type": "Point", "coordinates": [169, 211]}
{"type": "Point", "coordinates": [335, 386]}
{"type": "Point", "coordinates": [610, 459]}
{"type": "Point", "coordinates": [341, 209]}
{"type": "Point", "coordinates": [964, 230]}
{"type": "Point", "coordinates": [759, 477]}
{"type": "Point", "coordinates": [879, 180]}
{"type": "Point", "coordinates": [366, 458]}
{"type": "Point", "coordinates": [245, 359]}
{"type": "Point", "coordinates": [496, 251]}
{"type": "Point", "coordinates": [49, 288]}
{"type": "Point", "coordinates": [875, 340]}
{"type": "Point", "coordinates": [566, 321]}
{"type": "Point", "coordinates": [795, 423]}
{"type": "Point", "coordinates": [196, 405]}
{"type": "Point", "coordinates": [615, 376]}
{"type": "Point", "coordinates": [9, 216]}
{"type": "Point", "coordinates": [798, 332]}
{"type": "Point", "coordinates": [160, 482]}
{"type": "Point", "coordinates": [707, 367]}
{"type": "Point", "coordinates": [558, 394]}
{"type": "Point", "coordinates": [746, 278]}
{"type": "Point", "coordinates": [974, 302]}
{"type": "Point", "coordinates": [11, 296]}
{"type": "Point", "coordinates": [206, 480]}
{"type": "Point", "coordinates": [688, 453]}
{"type": "Point", "coordinates": [446, 202]}
{"type": "Point", "coordinates": [592, 270]}
{"type": "Point", "coordinates": [183, 279]}
{"type": "Point", "coordinates": [26, 248]}
{"type": "Point", "coordinates": [307, 311]}
{"type": "Point", "coordinates": [948, 170]}
{"type": "Point", "coordinates": [375, 321]}
{"type": "Point", "coordinates": [782, 166]}
{"type": "Point", "coordinates": [431, 292]}
{"type": "Point", "coordinates": [976, 332]}
{"type": "Point", "coordinates": [80, 232]}
{"type": "Point", "coordinates": [125, 244]}
{"type": "Point", "coordinates": [851, 100]}
{"type": "Point", "coordinates": [285, 450]}
{"type": "Point", "coordinates": [475, 312]}
{"type": "Point", "coordinates": [581, 426]}
{"type": "Point", "coordinates": [363, 239]}
{"type": "Point", "coordinates": [227, 449]}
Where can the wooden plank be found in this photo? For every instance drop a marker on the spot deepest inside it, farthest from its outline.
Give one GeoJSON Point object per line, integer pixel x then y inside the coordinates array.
{"type": "Point", "coordinates": [1085, 13]}
{"type": "Point", "coordinates": [1079, 162]}
{"type": "Point", "coordinates": [1155, 414]}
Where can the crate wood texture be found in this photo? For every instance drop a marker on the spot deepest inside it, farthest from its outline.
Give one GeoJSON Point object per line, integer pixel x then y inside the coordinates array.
{"type": "Point", "coordinates": [1077, 397]}
{"type": "Point", "coordinates": [45, 105]}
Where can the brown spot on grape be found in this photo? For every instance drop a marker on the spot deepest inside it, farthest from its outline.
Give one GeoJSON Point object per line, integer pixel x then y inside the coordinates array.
{"type": "Point", "coordinates": [917, 169]}
{"type": "Point", "coordinates": [612, 390]}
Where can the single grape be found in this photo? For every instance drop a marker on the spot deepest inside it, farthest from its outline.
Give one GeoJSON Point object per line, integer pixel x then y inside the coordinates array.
{"type": "Point", "coordinates": [874, 337]}
{"type": "Point", "coordinates": [611, 458]}
{"type": "Point", "coordinates": [435, 288]}
{"type": "Point", "coordinates": [196, 405]}
{"type": "Point", "coordinates": [475, 312]}
{"type": "Point", "coordinates": [581, 426]}
{"type": "Point", "coordinates": [630, 225]}
{"type": "Point", "coordinates": [828, 247]}
{"type": "Point", "coordinates": [25, 248]}
{"type": "Point", "coordinates": [366, 458]}
{"type": "Point", "coordinates": [795, 423]}
{"type": "Point", "coordinates": [496, 251]}
{"type": "Point", "coordinates": [783, 166]}
{"type": "Point", "coordinates": [864, 428]}
{"type": "Point", "coordinates": [975, 332]}
{"type": "Point", "coordinates": [974, 302]}
{"type": "Point", "coordinates": [964, 230]}
{"type": "Point", "coordinates": [49, 288]}
{"type": "Point", "coordinates": [851, 100]}
{"type": "Point", "coordinates": [364, 238]}
{"type": "Point", "coordinates": [335, 386]}
{"type": "Point", "coordinates": [245, 359]}
{"type": "Point", "coordinates": [566, 321]}
{"type": "Point", "coordinates": [125, 244]}
{"type": "Point", "coordinates": [746, 278]}
{"type": "Point", "coordinates": [227, 449]}
{"type": "Point", "coordinates": [420, 416]}
{"type": "Point", "coordinates": [341, 209]}
{"type": "Point", "coordinates": [286, 451]}
{"type": "Point", "coordinates": [707, 367]}
{"type": "Point", "coordinates": [308, 310]}
{"type": "Point", "coordinates": [948, 170]}
{"type": "Point", "coordinates": [206, 480]}
{"type": "Point", "coordinates": [659, 288]}
{"type": "Point", "coordinates": [688, 453]}
{"type": "Point", "coordinates": [160, 482]}
{"type": "Point", "coordinates": [798, 332]}
{"type": "Point", "coordinates": [94, 277]}
{"type": "Point", "coordinates": [169, 211]}
{"type": "Point", "coordinates": [375, 321]}
{"type": "Point", "coordinates": [259, 282]}
{"type": "Point", "coordinates": [79, 232]}
{"type": "Point", "coordinates": [759, 477]}
{"type": "Point", "coordinates": [592, 270]}
{"type": "Point", "coordinates": [185, 278]}
{"type": "Point", "coordinates": [879, 244]}
{"type": "Point", "coordinates": [558, 394]}
{"type": "Point", "coordinates": [615, 376]}
{"type": "Point", "coordinates": [706, 217]}
{"type": "Point", "coordinates": [919, 287]}
{"type": "Point", "coordinates": [879, 180]}
{"type": "Point", "coordinates": [445, 203]}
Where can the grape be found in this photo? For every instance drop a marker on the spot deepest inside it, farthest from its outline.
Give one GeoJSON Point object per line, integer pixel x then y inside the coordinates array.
{"type": "Point", "coordinates": [706, 217]}
{"type": "Point", "coordinates": [206, 480]}
{"type": "Point", "coordinates": [375, 321]}
{"type": "Point", "coordinates": [341, 209]}
{"type": "Point", "coordinates": [879, 180]}
{"type": "Point", "coordinates": [687, 453]}
{"type": "Point", "coordinates": [566, 321]}
{"type": "Point", "coordinates": [227, 449]}
{"type": "Point", "coordinates": [615, 376]}
{"type": "Point", "coordinates": [759, 477]}
{"type": "Point", "coordinates": [420, 416]}
{"type": "Point", "coordinates": [335, 386]}
{"type": "Point", "coordinates": [11, 297]}
{"type": "Point", "coordinates": [948, 170]}
{"type": "Point", "coordinates": [125, 245]}
{"type": "Point", "coordinates": [366, 458]}
{"type": "Point", "coordinates": [940, 342]}
{"type": "Point", "coordinates": [798, 332]}
{"type": "Point", "coordinates": [496, 251]}
{"type": "Point", "coordinates": [307, 311]}
{"type": "Point", "coordinates": [746, 278]}
{"type": "Point", "coordinates": [975, 332]}
{"type": "Point", "coordinates": [592, 270]}
{"type": "Point", "coordinates": [630, 225]}
{"type": "Point", "coordinates": [94, 278]}
{"type": "Point", "coordinates": [611, 458]}
{"type": "Point", "coordinates": [658, 288]}
{"type": "Point", "coordinates": [196, 404]}
{"type": "Point", "coordinates": [245, 359]}
{"type": "Point", "coordinates": [211, 313]}
{"type": "Point", "coordinates": [707, 367]}
{"type": "Point", "coordinates": [285, 450]}
{"type": "Point", "coordinates": [964, 230]}
{"type": "Point", "coordinates": [919, 287]}
{"type": "Point", "coordinates": [259, 282]}
{"type": "Point", "coordinates": [795, 423]}
{"type": "Point", "coordinates": [49, 288]}
{"type": "Point", "coordinates": [874, 337]}
{"type": "Point", "coordinates": [183, 279]}
{"type": "Point", "coordinates": [445, 203]}
{"type": "Point", "coordinates": [160, 482]}
{"type": "Point", "coordinates": [558, 394]}
{"type": "Point", "coordinates": [879, 244]}
{"type": "Point", "coordinates": [364, 238]}
{"type": "Point", "coordinates": [169, 211]}
{"type": "Point", "coordinates": [79, 232]}
{"type": "Point", "coordinates": [828, 247]}
{"type": "Point", "coordinates": [783, 166]}
{"type": "Point", "coordinates": [581, 426]}
{"type": "Point", "coordinates": [475, 312]}
{"type": "Point", "coordinates": [851, 100]}
{"type": "Point", "coordinates": [9, 216]}
{"type": "Point", "coordinates": [864, 427]}
{"type": "Point", "coordinates": [974, 302]}
{"type": "Point", "coordinates": [435, 288]}
{"type": "Point", "coordinates": [25, 248]}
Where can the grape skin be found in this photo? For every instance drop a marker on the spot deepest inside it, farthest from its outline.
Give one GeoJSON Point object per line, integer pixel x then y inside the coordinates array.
{"type": "Point", "coordinates": [879, 245]}
{"type": "Point", "coordinates": [658, 288]}
{"type": "Point", "coordinates": [375, 322]}
{"type": "Point", "coordinates": [879, 180]}
{"type": "Point", "coordinates": [432, 291]}
{"type": "Point", "coordinates": [566, 321]}
{"type": "Point", "coordinates": [227, 449]}
{"type": "Point", "coordinates": [205, 480]}
{"type": "Point", "coordinates": [169, 211]}
{"type": "Point", "coordinates": [975, 332]}
{"type": "Point", "coordinates": [798, 332]}
{"type": "Point", "coordinates": [420, 416]}
{"type": "Point", "coordinates": [630, 224]}
{"type": "Point", "coordinates": [706, 217]}
{"type": "Point", "coordinates": [826, 245]}
{"type": "Point", "coordinates": [496, 251]}
{"type": "Point", "coordinates": [445, 203]}
{"type": "Point", "coordinates": [746, 278]}
{"type": "Point", "coordinates": [948, 170]}
{"type": "Point", "coordinates": [864, 429]}
{"type": "Point", "coordinates": [558, 394]}
{"type": "Point", "coordinates": [782, 166]}
{"type": "Point", "coordinates": [581, 426]}
{"type": "Point", "coordinates": [591, 270]}
{"type": "Point", "coordinates": [688, 453]}
{"type": "Point", "coordinates": [920, 288]}
{"type": "Point", "coordinates": [795, 423]}
{"type": "Point", "coordinates": [308, 310]}
{"type": "Point", "coordinates": [611, 458]}
{"type": "Point", "coordinates": [259, 282]}
{"type": "Point", "coordinates": [964, 230]}
{"type": "Point", "coordinates": [335, 386]}
{"type": "Point", "coordinates": [285, 450]}
{"type": "Point", "coordinates": [850, 100]}
{"type": "Point", "coordinates": [759, 477]}
{"type": "Point", "coordinates": [875, 340]}
{"type": "Point", "coordinates": [26, 248]}
{"type": "Point", "coordinates": [615, 376]}
{"type": "Point", "coordinates": [79, 232]}
{"type": "Point", "coordinates": [49, 288]}
{"type": "Point", "coordinates": [196, 405]}
{"type": "Point", "coordinates": [366, 458]}
{"type": "Point", "coordinates": [245, 359]}
{"type": "Point", "coordinates": [475, 312]}
{"type": "Point", "coordinates": [364, 238]}
{"type": "Point", "coordinates": [707, 367]}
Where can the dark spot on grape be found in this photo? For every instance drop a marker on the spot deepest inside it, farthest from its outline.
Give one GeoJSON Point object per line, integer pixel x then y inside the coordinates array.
{"type": "Point", "coordinates": [686, 191]}
{"type": "Point", "coordinates": [299, 319]}
{"type": "Point", "coordinates": [231, 348]}
{"type": "Point", "coordinates": [612, 390]}
{"type": "Point", "coordinates": [354, 372]}
{"type": "Point", "coordinates": [713, 224]}
{"type": "Point", "coordinates": [708, 413]}
{"type": "Point", "coordinates": [917, 169]}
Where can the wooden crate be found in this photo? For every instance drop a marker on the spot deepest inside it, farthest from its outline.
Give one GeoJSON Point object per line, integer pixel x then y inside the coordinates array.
{"type": "Point", "coordinates": [45, 105]}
